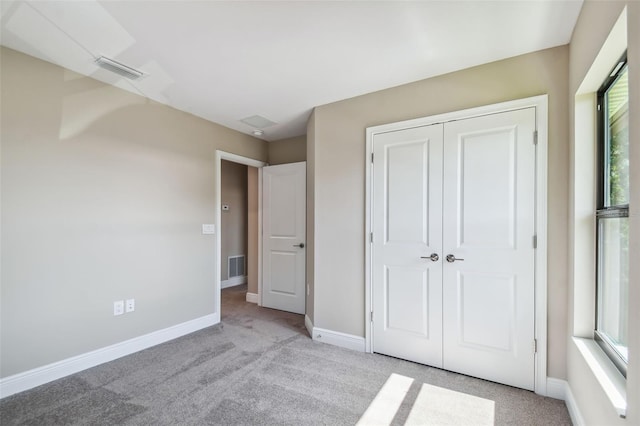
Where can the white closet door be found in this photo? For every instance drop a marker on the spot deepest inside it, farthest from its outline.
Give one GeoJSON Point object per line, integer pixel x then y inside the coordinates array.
{"type": "Point", "coordinates": [407, 225]}
{"type": "Point", "coordinates": [489, 205]}
{"type": "Point", "coordinates": [464, 189]}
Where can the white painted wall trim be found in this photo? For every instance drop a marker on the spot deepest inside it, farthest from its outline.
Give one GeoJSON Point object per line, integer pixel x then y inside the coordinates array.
{"type": "Point", "coordinates": [541, 105]}
{"type": "Point", "coordinates": [609, 378]}
{"type": "Point", "coordinates": [309, 325]}
{"type": "Point", "coordinates": [232, 282]}
{"type": "Point", "coordinates": [47, 373]}
{"type": "Point", "coordinates": [258, 298]}
{"type": "Point", "coordinates": [572, 407]}
{"type": "Point", "coordinates": [542, 119]}
{"type": "Point", "coordinates": [222, 155]}
{"type": "Point", "coordinates": [560, 389]}
{"type": "Point", "coordinates": [336, 338]}
{"type": "Point", "coordinates": [252, 297]}
{"type": "Point", "coordinates": [557, 388]}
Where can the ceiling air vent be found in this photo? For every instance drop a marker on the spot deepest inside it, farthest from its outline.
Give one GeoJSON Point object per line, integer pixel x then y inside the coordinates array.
{"type": "Point", "coordinates": [258, 122]}
{"type": "Point", "coordinates": [118, 68]}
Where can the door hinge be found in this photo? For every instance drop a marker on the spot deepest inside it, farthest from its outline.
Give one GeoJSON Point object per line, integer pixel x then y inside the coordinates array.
{"type": "Point", "coordinates": [535, 241]}
{"type": "Point", "coordinates": [535, 346]}
{"type": "Point", "coordinates": [371, 237]}
{"type": "Point", "coordinates": [535, 137]}
{"type": "Point", "coordinates": [371, 316]}
{"type": "Point", "coordinates": [372, 157]}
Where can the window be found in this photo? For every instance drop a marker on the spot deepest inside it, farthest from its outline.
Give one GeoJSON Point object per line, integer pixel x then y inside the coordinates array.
{"type": "Point", "coordinates": [612, 216]}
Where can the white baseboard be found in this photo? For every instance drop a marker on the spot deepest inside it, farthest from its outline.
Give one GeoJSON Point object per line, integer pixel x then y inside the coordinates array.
{"type": "Point", "coordinates": [232, 282]}
{"type": "Point", "coordinates": [252, 297]}
{"type": "Point", "coordinates": [47, 373]}
{"type": "Point", "coordinates": [336, 338]}
{"type": "Point", "coordinates": [557, 388]}
{"type": "Point", "coordinates": [560, 389]}
{"type": "Point", "coordinates": [309, 325]}
{"type": "Point", "coordinates": [572, 407]}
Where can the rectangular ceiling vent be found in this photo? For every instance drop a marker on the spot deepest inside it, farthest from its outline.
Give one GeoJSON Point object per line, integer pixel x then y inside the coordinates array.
{"type": "Point", "coordinates": [118, 68]}
{"type": "Point", "coordinates": [258, 122]}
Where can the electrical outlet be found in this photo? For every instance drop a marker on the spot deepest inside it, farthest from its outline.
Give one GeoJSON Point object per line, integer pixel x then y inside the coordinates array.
{"type": "Point", "coordinates": [130, 305]}
{"type": "Point", "coordinates": [118, 307]}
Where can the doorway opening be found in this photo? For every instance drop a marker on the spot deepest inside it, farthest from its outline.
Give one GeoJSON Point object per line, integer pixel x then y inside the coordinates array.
{"type": "Point", "coordinates": [240, 248]}
{"type": "Point", "coordinates": [238, 234]}
{"type": "Point", "coordinates": [238, 221]}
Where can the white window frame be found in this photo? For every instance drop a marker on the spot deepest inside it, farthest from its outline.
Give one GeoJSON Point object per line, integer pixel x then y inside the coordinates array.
{"type": "Point", "coordinates": [603, 211]}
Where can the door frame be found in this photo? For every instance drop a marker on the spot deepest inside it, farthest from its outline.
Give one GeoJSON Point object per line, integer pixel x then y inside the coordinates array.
{"type": "Point", "coordinates": [540, 272]}
{"type": "Point", "coordinates": [222, 155]}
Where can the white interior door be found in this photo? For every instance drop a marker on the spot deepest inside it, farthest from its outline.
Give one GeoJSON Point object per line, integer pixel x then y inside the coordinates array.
{"type": "Point", "coordinates": [466, 189]}
{"type": "Point", "coordinates": [407, 284]}
{"type": "Point", "coordinates": [284, 230]}
{"type": "Point", "coordinates": [489, 205]}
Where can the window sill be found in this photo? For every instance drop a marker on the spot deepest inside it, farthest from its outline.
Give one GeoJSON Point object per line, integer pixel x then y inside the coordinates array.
{"type": "Point", "coordinates": [612, 382]}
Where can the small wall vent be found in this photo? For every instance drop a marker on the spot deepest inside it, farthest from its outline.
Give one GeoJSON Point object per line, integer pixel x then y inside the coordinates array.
{"type": "Point", "coordinates": [236, 266]}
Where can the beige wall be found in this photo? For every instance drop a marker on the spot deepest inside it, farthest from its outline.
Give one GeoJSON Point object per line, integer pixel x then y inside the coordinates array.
{"type": "Point", "coordinates": [233, 231]}
{"type": "Point", "coordinates": [336, 163]}
{"type": "Point", "coordinates": [252, 230]}
{"type": "Point", "coordinates": [594, 26]}
{"type": "Point", "coordinates": [291, 150]}
{"type": "Point", "coordinates": [103, 197]}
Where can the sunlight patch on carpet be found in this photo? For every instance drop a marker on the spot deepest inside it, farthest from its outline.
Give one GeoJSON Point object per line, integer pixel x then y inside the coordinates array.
{"type": "Point", "coordinates": [386, 403]}
{"type": "Point", "coordinates": [433, 406]}
{"type": "Point", "coordinates": [439, 406]}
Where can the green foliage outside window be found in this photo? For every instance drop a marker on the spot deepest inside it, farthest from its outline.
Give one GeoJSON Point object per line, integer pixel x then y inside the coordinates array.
{"type": "Point", "coordinates": [612, 218]}
{"type": "Point", "coordinates": [618, 161]}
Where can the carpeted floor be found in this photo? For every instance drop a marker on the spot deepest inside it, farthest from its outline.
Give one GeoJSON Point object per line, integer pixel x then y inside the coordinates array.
{"type": "Point", "coordinates": [259, 367]}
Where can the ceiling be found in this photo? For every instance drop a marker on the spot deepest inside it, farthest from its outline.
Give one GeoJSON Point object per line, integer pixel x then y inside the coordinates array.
{"type": "Point", "coordinates": [225, 61]}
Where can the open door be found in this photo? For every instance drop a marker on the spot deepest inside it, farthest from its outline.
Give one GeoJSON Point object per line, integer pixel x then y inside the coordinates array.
{"type": "Point", "coordinates": [284, 230]}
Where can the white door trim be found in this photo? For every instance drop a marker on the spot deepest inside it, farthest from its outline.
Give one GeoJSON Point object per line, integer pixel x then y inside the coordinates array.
{"type": "Point", "coordinates": [541, 105]}
{"type": "Point", "coordinates": [222, 155]}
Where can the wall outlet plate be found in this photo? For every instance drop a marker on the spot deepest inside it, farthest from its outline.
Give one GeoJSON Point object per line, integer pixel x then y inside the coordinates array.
{"type": "Point", "coordinates": [130, 305]}
{"type": "Point", "coordinates": [208, 229]}
{"type": "Point", "coordinates": [118, 307]}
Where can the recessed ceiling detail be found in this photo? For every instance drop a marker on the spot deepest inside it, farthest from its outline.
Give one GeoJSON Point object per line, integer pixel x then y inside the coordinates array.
{"type": "Point", "coordinates": [258, 122]}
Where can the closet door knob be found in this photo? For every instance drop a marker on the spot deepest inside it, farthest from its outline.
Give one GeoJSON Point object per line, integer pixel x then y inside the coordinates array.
{"type": "Point", "coordinates": [434, 257]}
{"type": "Point", "coordinates": [451, 258]}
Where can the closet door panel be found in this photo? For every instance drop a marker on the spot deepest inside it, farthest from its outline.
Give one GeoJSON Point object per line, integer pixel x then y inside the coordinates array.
{"type": "Point", "coordinates": [407, 223]}
{"type": "Point", "coordinates": [488, 227]}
